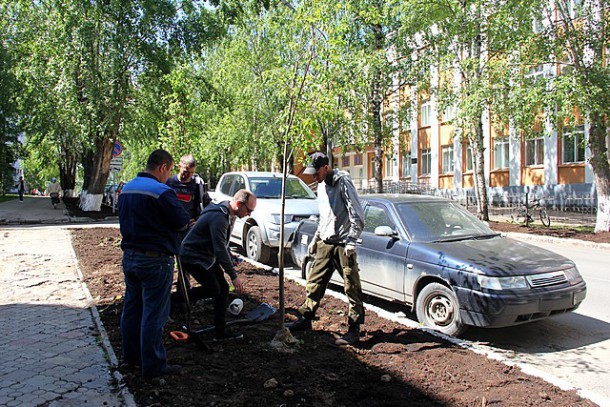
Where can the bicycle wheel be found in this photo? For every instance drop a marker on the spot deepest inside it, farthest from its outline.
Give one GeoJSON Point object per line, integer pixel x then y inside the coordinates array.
{"type": "Point", "coordinates": [544, 217]}
{"type": "Point", "coordinates": [518, 215]}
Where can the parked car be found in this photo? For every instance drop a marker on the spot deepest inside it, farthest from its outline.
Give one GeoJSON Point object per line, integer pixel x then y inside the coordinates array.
{"type": "Point", "coordinates": [451, 268]}
{"type": "Point", "coordinates": [259, 233]}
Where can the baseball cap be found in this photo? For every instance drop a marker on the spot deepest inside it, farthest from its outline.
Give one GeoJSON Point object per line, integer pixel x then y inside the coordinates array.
{"type": "Point", "coordinates": [317, 161]}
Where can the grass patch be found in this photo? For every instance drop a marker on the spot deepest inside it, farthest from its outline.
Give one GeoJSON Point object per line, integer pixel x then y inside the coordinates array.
{"type": "Point", "coordinates": [7, 197]}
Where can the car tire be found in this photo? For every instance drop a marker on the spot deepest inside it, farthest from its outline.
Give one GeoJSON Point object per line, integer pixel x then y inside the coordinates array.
{"type": "Point", "coordinates": [438, 308]}
{"type": "Point", "coordinates": [255, 248]}
{"type": "Point", "coordinates": [295, 259]}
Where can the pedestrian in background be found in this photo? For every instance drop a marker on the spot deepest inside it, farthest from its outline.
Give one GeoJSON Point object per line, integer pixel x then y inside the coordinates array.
{"type": "Point", "coordinates": [20, 188]}
{"type": "Point", "coordinates": [340, 226]}
{"type": "Point", "coordinates": [206, 256]}
{"type": "Point", "coordinates": [189, 187]}
{"type": "Point", "coordinates": [151, 220]}
{"type": "Point", "coordinates": [54, 190]}
{"type": "Point", "coordinates": [191, 193]}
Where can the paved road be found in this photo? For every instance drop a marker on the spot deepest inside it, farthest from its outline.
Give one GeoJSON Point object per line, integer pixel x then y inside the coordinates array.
{"type": "Point", "coordinates": [51, 347]}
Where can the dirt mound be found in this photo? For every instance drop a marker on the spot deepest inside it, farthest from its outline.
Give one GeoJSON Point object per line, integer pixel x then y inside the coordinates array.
{"type": "Point", "coordinates": [391, 366]}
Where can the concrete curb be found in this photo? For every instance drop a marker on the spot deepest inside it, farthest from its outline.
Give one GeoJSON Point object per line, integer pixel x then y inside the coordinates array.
{"type": "Point", "coordinates": [128, 399]}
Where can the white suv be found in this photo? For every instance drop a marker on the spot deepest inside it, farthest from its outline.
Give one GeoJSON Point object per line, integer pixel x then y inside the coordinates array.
{"type": "Point", "coordinates": [260, 232]}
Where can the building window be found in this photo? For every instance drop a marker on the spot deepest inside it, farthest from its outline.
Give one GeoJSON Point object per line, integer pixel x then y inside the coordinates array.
{"type": "Point", "coordinates": [448, 162]}
{"type": "Point", "coordinates": [346, 161]}
{"type": "Point", "coordinates": [573, 145]}
{"type": "Point", "coordinates": [469, 157]}
{"type": "Point", "coordinates": [426, 162]}
{"type": "Point", "coordinates": [358, 159]}
{"type": "Point", "coordinates": [534, 151]}
{"type": "Point", "coordinates": [373, 167]}
{"type": "Point", "coordinates": [501, 153]}
{"type": "Point", "coordinates": [406, 164]}
{"type": "Point", "coordinates": [449, 113]}
{"type": "Point", "coordinates": [536, 72]}
{"type": "Point", "coordinates": [425, 114]}
{"type": "Point", "coordinates": [575, 8]}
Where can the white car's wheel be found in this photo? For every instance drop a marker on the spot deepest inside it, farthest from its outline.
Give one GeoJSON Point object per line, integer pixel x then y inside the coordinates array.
{"type": "Point", "coordinates": [255, 248]}
{"type": "Point", "coordinates": [438, 308]}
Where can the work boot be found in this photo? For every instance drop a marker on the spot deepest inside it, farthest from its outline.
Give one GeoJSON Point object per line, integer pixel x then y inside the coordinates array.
{"type": "Point", "coordinates": [301, 324]}
{"type": "Point", "coordinates": [351, 337]}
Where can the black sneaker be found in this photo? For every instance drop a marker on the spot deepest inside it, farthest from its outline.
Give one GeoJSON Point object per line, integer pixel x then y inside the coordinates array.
{"type": "Point", "coordinates": [351, 337]}
{"type": "Point", "coordinates": [301, 324]}
{"type": "Point", "coordinates": [227, 335]}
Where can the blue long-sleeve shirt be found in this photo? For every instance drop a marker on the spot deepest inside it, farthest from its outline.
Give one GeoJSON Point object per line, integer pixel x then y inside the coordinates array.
{"type": "Point", "coordinates": [151, 217]}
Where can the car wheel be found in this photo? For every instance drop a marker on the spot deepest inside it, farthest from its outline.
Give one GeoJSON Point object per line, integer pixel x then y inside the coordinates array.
{"type": "Point", "coordinates": [438, 308]}
{"type": "Point", "coordinates": [295, 259]}
{"type": "Point", "coordinates": [255, 248]}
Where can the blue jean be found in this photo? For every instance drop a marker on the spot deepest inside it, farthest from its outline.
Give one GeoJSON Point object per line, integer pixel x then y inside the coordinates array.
{"type": "Point", "coordinates": [148, 282]}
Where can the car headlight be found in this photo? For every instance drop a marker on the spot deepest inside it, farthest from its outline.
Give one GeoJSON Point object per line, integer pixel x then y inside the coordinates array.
{"type": "Point", "coordinates": [572, 275]}
{"type": "Point", "coordinates": [502, 283]}
{"type": "Point", "coordinates": [275, 218]}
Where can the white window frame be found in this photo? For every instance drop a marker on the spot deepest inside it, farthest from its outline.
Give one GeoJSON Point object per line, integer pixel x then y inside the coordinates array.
{"type": "Point", "coordinates": [406, 164]}
{"type": "Point", "coordinates": [448, 163]}
{"type": "Point", "coordinates": [576, 139]}
{"type": "Point", "coordinates": [449, 113]}
{"type": "Point", "coordinates": [538, 150]}
{"type": "Point", "coordinates": [501, 157]}
{"type": "Point", "coordinates": [389, 167]}
{"type": "Point", "coordinates": [426, 162]}
{"type": "Point", "coordinates": [469, 157]}
{"type": "Point", "coordinates": [425, 114]}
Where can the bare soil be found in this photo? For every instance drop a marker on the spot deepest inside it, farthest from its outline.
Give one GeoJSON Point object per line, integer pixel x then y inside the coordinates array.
{"type": "Point", "coordinates": [391, 366]}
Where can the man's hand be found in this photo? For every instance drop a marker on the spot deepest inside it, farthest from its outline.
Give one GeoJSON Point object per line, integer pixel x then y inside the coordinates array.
{"type": "Point", "coordinates": [238, 284]}
{"type": "Point", "coordinates": [350, 249]}
{"type": "Point", "coordinates": [313, 247]}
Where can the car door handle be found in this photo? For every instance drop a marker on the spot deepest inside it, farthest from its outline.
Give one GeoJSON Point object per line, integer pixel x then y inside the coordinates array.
{"type": "Point", "coordinates": [410, 266]}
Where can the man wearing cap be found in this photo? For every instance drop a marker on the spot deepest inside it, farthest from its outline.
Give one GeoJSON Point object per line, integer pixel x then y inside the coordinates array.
{"type": "Point", "coordinates": [340, 226]}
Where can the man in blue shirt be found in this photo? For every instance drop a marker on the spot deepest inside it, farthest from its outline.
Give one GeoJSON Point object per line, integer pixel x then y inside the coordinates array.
{"type": "Point", "coordinates": [152, 220]}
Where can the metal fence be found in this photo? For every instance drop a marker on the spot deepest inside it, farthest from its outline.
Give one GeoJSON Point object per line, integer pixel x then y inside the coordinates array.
{"type": "Point", "coordinates": [573, 209]}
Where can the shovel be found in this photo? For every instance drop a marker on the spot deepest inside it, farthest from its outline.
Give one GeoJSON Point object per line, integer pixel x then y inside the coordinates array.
{"type": "Point", "coordinates": [260, 313]}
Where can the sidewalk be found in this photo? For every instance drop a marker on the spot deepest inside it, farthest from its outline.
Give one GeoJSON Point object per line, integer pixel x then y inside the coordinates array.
{"type": "Point", "coordinates": [52, 351]}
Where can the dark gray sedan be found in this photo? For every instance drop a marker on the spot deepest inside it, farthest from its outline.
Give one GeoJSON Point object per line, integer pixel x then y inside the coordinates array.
{"type": "Point", "coordinates": [451, 268]}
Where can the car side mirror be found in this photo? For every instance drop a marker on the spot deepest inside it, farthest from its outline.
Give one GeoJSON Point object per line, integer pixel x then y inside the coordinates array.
{"type": "Point", "coordinates": [385, 231]}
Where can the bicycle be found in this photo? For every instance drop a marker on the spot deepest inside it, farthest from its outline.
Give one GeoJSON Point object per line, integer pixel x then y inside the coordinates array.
{"type": "Point", "coordinates": [523, 213]}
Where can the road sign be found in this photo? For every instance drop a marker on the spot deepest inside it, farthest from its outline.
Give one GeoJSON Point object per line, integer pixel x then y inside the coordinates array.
{"type": "Point", "coordinates": [116, 164]}
{"type": "Point", "coordinates": [117, 149]}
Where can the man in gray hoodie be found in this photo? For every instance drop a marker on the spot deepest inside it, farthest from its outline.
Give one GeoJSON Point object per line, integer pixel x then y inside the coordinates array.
{"type": "Point", "coordinates": [341, 223]}
{"type": "Point", "coordinates": [205, 254]}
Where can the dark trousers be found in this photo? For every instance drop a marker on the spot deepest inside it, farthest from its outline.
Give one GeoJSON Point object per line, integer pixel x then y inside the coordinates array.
{"type": "Point", "coordinates": [328, 256]}
{"type": "Point", "coordinates": [21, 191]}
{"type": "Point", "coordinates": [148, 281]}
{"type": "Point", "coordinates": [213, 285]}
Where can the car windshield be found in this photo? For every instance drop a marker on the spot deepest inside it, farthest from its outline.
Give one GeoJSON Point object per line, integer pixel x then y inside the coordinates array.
{"type": "Point", "coordinates": [271, 188]}
{"type": "Point", "coordinates": [441, 221]}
